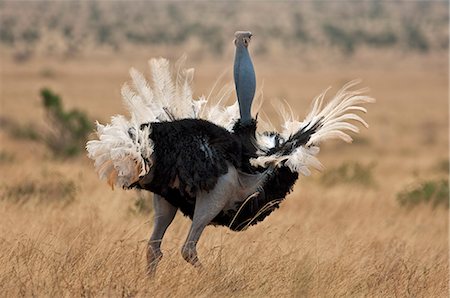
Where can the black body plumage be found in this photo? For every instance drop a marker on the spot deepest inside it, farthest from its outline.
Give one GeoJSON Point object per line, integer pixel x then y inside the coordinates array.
{"type": "Point", "coordinates": [190, 155]}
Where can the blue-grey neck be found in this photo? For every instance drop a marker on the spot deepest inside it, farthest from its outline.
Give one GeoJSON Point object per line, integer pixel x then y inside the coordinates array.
{"type": "Point", "coordinates": [245, 81]}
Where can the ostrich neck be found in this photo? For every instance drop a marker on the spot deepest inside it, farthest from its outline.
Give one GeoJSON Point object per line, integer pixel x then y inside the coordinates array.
{"type": "Point", "coordinates": [245, 81]}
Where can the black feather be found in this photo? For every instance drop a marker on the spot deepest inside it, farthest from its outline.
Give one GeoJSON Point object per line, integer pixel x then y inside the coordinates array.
{"type": "Point", "coordinates": [296, 140]}
{"type": "Point", "coordinates": [191, 154]}
{"type": "Point", "coordinates": [245, 133]}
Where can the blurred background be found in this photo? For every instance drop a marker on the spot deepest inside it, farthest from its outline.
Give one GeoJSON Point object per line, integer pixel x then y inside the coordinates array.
{"type": "Point", "coordinates": [374, 222]}
{"type": "Point", "coordinates": [67, 29]}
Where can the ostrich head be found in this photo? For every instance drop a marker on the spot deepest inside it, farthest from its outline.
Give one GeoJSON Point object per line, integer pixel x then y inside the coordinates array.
{"type": "Point", "coordinates": [244, 75]}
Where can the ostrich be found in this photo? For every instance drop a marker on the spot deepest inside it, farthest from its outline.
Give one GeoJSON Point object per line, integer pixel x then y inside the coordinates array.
{"type": "Point", "coordinates": [210, 162]}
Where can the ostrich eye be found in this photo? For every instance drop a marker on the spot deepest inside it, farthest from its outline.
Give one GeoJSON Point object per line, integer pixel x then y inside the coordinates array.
{"type": "Point", "coordinates": [246, 41]}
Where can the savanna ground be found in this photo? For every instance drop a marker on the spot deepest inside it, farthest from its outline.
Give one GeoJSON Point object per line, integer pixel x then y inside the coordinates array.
{"type": "Point", "coordinates": [342, 232]}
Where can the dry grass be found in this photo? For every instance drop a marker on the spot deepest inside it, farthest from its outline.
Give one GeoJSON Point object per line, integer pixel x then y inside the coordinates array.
{"type": "Point", "coordinates": [339, 240]}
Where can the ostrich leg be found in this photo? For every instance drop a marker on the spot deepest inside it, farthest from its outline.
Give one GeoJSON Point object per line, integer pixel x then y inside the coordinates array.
{"type": "Point", "coordinates": [164, 214]}
{"type": "Point", "coordinates": [207, 206]}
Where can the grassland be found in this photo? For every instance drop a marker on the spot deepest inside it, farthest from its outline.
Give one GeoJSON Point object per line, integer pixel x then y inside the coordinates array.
{"type": "Point", "coordinates": [65, 233]}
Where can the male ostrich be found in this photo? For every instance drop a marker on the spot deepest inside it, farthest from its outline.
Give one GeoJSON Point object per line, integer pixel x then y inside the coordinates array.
{"type": "Point", "coordinates": [207, 161]}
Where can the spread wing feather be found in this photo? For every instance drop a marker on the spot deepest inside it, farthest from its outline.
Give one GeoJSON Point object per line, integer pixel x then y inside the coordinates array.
{"type": "Point", "coordinates": [298, 143]}
{"type": "Point", "coordinates": [123, 150]}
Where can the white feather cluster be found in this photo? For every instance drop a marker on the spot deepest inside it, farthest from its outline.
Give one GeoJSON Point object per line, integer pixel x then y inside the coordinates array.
{"type": "Point", "coordinates": [300, 160]}
{"type": "Point", "coordinates": [335, 116]}
{"type": "Point", "coordinates": [170, 99]}
{"type": "Point", "coordinates": [334, 124]}
{"type": "Point", "coordinates": [265, 142]}
{"type": "Point", "coordinates": [123, 151]}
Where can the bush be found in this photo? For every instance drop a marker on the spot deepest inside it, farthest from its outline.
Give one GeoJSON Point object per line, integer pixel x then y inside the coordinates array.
{"type": "Point", "coordinates": [69, 129]}
{"type": "Point", "coordinates": [341, 38]}
{"type": "Point", "coordinates": [350, 173]}
{"type": "Point", "coordinates": [143, 203]}
{"type": "Point", "coordinates": [429, 192]}
{"type": "Point", "coordinates": [7, 31]}
{"type": "Point", "coordinates": [415, 39]}
{"type": "Point", "coordinates": [442, 166]}
{"type": "Point", "coordinates": [348, 40]}
{"type": "Point", "coordinates": [22, 55]}
{"type": "Point", "coordinates": [30, 35]}
{"type": "Point", "coordinates": [6, 157]}
{"type": "Point", "coordinates": [300, 33]}
{"type": "Point", "coordinates": [20, 131]}
{"type": "Point", "coordinates": [47, 73]}
{"type": "Point", "coordinates": [104, 34]}
{"type": "Point", "coordinates": [25, 132]}
{"type": "Point", "coordinates": [382, 39]}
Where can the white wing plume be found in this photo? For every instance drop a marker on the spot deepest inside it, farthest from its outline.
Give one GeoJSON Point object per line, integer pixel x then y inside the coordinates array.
{"type": "Point", "coordinates": [330, 122]}
{"type": "Point", "coordinates": [123, 150]}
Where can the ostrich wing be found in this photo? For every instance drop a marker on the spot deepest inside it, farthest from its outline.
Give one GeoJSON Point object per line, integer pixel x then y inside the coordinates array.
{"type": "Point", "coordinates": [123, 152]}
{"type": "Point", "coordinates": [298, 143]}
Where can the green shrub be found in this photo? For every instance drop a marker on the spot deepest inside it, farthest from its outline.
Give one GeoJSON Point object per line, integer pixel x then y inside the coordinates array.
{"type": "Point", "coordinates": [350, 173]}
{"type": "Point", "coordinates": [143, 203]}
{"type": "Point", "coordinates": [25, 132]}
{"type": "Point", "coordinates": [104, 34]}
{"type": "Point", "coordinates": [19, 131]}
{"type": "Point", "coordinates": [341, 38]}
{"type": "Point", "coordinates": [30, 35]}
{"type": "Point", "coordinates": [376, 9]}
{"type": "Point", "coordinates": [47, 72]}
{"type": "Point", "coordinates": [415, 38]}
{"type": "Point", "coordinates": [442, 166]}
{"type": "Point", "coordinates": [7, 31]}
{"type": "Point", "coordinates": [6, 157]}
{"type": "Point", "coordinates": [300, 33]}
{"type": "Point", "coordinates": [382, 39]}
{"type": "Point", "coordinates": [347, 40]}
{"type": "Point", "coordinates": [212, 36]}
{"type": "Point", "coordinates": [69, 129]}
{"type": "Point", "coordinates": [67, 31]}
{"type": "Point", "coordinates": [22, 54]}
{"type": "Point", "coordinates": [434, 192]}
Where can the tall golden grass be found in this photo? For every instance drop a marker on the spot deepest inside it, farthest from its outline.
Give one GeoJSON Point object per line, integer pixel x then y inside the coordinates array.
{"type": "Point", "coordinates": [347, 239]}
